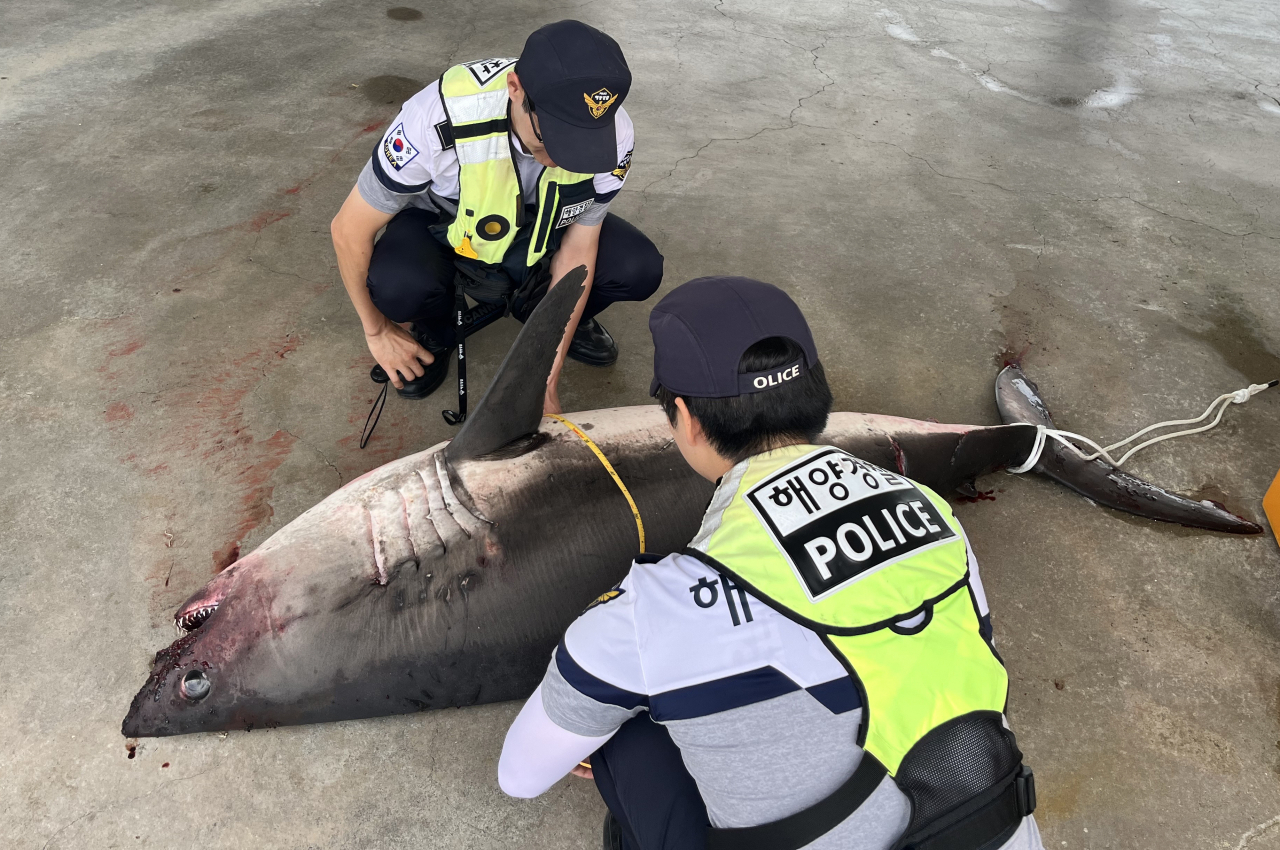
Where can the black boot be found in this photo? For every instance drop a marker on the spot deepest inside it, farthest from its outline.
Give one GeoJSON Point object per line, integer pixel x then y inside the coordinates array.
{"type": "Point", "coordinates": [433, 375]}
{"type": "Point", "coordinates": [612, 832]}
{"type": "Point", "coordinates": [593, 345]}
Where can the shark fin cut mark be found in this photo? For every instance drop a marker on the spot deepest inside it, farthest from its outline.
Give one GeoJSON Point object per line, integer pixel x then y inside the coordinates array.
{"type": "Point", "coordinates": [512, 405]}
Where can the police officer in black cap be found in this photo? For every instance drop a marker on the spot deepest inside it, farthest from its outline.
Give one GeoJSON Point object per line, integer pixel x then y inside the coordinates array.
{"type": "Point", "coordinates": [815, 670]}
{"type": "Point", "coordinates": [502, 170]}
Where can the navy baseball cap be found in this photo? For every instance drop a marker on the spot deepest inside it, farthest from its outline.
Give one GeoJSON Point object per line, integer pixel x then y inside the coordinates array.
{"type": "Point", "coordinates": [702, 328]}
{"type": "Point", "coordinates": [577, 79]}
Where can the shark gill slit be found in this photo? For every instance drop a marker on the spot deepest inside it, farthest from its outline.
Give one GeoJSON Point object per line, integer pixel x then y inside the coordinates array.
{"type": "Point", "coordinates": [408, 526]}
{"type": "Point", "coordinates": [432, 487]}
{"type": "Point", "coordinates": [470, 524]}
{"type": "Point", "coordinates": [380, 569]}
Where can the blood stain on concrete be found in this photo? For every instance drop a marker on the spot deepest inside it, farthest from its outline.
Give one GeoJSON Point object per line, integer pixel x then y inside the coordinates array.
{"type": "Point", "coordinates": [265, 218]}
{"type": "Point", "coordinates": [253, 479]}
{"type": "Point", "coordinates": [205, 435]}
{"type": "Point", "coordinates": [310, 178]}
{"type": "Point", "coordinates": [126, 349]}
{"type": "Point", "coordinates": [118, 411]}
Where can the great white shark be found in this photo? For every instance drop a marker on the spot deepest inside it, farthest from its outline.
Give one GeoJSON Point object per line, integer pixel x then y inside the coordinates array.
{"type": "Point", "coordinates": [445, 578]}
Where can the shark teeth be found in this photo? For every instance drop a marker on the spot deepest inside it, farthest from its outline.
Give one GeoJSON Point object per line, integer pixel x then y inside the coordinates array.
{"type": "Point", "coordinates": [193, 619]}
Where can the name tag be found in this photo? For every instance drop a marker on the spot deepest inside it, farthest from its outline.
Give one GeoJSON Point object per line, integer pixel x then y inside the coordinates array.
{"type": "Point", "coordinates": [570, 213]}
{"type": "Point", "coordinates": [838, 519]}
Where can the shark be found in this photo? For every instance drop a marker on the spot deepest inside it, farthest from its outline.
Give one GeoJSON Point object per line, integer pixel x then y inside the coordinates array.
{"type": "Point", "coordinates": [447, 577]}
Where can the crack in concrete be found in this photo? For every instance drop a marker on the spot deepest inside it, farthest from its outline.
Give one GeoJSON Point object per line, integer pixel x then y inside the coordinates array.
{"type": "Point", "coordinates": [268, 268]}
{"type": "Point", "coordinates": [791, 119]}
{"type": "Point", "coordinates": [276, 426]}
{"type": "Point", "coordinates": [322, 455]}
{"type": "Point", "coordinates": [935, 170]}
{"type": "Point", "coordinates": [127, 802]}
{"type": "Point", "coordinates": [1130, 198]}
{"type": "Point", "coordinates": [1191, 220]}
{"type": "Point", "coordinates": [1257, 832]}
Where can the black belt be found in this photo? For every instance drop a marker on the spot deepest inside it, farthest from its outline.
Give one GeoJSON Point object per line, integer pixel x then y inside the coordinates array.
{"type": "Point", "coordinates": [809, 825]}
{"type": "Point", "coordinates": [984, 823]}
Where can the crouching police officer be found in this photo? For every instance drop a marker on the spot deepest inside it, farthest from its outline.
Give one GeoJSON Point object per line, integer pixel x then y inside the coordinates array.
{"type": "Point", "coordinates": [502, 170]}
{"type": "Point", "coordinates": [816, 666]}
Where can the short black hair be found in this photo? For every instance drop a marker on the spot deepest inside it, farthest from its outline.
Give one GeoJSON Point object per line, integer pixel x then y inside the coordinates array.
{"type": "Point", "coordinates": [744, 425]}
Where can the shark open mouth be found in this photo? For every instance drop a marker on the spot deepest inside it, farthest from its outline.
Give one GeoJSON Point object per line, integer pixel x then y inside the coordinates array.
{"type": "Point", "coordinates": [191, 617]}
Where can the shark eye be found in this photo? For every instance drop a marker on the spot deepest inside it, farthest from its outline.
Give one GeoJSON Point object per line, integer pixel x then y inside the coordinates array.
{"type": "Point", "coordinates": [195, 685]}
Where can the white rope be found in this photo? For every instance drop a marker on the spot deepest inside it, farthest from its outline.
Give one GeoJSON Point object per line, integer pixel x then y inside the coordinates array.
{"type": "Point", "coordinates": [1065, 437]}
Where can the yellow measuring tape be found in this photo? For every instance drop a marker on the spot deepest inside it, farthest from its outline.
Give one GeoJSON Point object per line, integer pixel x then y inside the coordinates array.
{"type": "Point", "coordinates": [608, 467]}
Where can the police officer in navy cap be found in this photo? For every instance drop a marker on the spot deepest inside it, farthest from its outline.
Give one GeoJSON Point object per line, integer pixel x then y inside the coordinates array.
{"type": "Point", "coordinates": [503, 169]}
{"type": "Point", "coordinates": [815, 669]}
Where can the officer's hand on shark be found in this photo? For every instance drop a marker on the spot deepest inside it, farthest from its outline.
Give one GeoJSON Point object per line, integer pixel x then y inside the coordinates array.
{"type": "Point", "coordinates": [398, 353]}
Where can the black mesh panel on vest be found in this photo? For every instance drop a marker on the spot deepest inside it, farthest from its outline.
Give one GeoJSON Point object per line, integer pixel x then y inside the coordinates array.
{"type": "Point", "coordinates": [954, 764]}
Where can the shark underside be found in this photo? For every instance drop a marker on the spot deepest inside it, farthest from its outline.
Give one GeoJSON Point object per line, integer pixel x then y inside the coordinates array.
{"type": "Point", "coordinates": [446, 578]}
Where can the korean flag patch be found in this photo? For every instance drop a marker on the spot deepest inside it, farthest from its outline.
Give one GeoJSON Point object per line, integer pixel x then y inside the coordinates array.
{"type": "Point", "coordinates": [397, 148]}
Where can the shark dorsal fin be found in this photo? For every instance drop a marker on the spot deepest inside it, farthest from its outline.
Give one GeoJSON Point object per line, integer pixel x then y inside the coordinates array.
{"type": "Point", "coordinates": [512, 405]}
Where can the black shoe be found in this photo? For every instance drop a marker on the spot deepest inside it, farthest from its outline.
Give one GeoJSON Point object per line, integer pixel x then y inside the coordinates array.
{"type": "Point", "coordinates": [593, 345]}
{"type": "Point", "coordinates": [612, 832]}
{"type": "Point", "coordinates": [432, 376]}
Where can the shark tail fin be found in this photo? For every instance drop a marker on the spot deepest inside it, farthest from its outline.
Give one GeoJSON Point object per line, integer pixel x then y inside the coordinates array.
{"type": "Point", "coordinates": [512, 405]}
{"type": "Point", "coordinates": [1019, 401]}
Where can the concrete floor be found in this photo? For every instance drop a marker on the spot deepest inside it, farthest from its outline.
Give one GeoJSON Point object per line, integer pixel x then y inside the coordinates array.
{"type": "Point", "coordinates": [1092, 182]}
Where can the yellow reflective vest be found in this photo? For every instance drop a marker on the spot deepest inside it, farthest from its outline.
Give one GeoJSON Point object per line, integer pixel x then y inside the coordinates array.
{"type": "Point", "coordinates": [876, 564]}
{"type": "Point", "coordinates": [491, 209]}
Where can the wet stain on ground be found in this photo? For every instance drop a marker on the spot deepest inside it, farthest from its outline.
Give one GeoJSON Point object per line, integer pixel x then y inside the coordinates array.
{"type": "Point", "coordinates": [389, 89]}
{"type": "Point", "coordinates": [1168, 528]}
{"type": "Point", "coordinates": [1209, 492]}
{"type": "Point", "coordinates": [1030, 317]}
{"type": "Point", "coordinates": [1235, 335]}
{"type": "Point", "coordinates": [403, 13]}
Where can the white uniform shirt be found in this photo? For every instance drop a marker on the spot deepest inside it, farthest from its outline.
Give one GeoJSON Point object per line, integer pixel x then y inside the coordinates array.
{"type": "Point", "coordinates": [765, 716]}
{"type": "Point", "coordinates": [411, 157]}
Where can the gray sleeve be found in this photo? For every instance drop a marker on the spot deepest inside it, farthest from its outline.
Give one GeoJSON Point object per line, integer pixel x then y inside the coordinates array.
{"type": "Point", "coordinates": [378, 196]}
{"type": "Point", "coordinates": [594, 216]}
{"type": "Point", "coordinates": [575, 712]}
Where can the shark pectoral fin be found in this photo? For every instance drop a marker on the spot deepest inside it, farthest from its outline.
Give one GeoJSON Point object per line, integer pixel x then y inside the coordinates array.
{"type": "Point", "coordinates": [1019, 401]}
{"type": "Point", "coordinates": [512, 405]}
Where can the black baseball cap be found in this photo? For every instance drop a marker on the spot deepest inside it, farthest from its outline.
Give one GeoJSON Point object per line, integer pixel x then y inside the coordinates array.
{"type": "Point", "coordinates": [702, 328]}
{"type": "Point", "coordinates": [577, 79]}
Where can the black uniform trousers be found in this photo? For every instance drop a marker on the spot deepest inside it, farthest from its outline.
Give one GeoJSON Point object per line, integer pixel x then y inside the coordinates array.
{"type": "Point", "coordinates": [411, 272]}
{"type": "Point", "coordinates": [642, 778]}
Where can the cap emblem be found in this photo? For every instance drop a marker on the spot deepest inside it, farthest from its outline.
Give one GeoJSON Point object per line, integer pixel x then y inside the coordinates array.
{"type": "Point", "coordinates": [599, 102]}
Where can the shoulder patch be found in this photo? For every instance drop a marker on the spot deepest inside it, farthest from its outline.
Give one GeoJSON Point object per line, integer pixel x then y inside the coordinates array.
{"type": "Point", "coordinates": [623, 167]}
{"type": "Point", "coordinates": [445, 131]}
{"type": "Point", "coordinates": [607, 596]}
{"type": "Point", "coordinates": [397, 148]}
{"type": "Point", "coordinates": [486, 69]}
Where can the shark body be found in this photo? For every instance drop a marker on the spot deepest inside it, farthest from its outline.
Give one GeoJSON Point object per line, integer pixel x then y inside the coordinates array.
{"type": "Point", "coordinates": [446, 578]}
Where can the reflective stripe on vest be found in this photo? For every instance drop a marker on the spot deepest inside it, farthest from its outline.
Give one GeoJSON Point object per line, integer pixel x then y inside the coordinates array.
{"type": "Point", "coordinates": [490, 197]}
{"type": "Point", "coordinates": [879, 566]}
